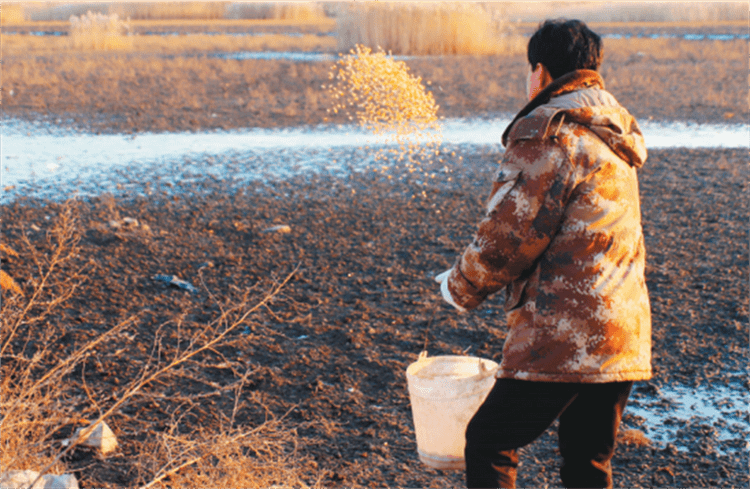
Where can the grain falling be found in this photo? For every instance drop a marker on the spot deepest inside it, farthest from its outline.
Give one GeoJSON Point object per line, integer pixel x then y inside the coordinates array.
{"type": "Point", "coordinates": [382, 96]}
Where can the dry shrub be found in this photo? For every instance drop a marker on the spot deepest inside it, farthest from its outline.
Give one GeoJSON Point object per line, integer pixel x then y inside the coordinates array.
{"type": "Point", "coordinates": [427, 28]}
{"type": "Point", "coordinates": [266, 456]}
{"type": "Point", "coordinates": [40, 404]}
{"type": "Point", "coordinates": [34, 405]}
{"type": "Point", "coordinates": [99, 31]}
{"type": "Point", "coordinates": [8, 284]}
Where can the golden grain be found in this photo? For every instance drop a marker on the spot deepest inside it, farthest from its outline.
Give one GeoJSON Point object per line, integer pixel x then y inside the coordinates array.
{"type": "Point", "coordinates": [387, 101]}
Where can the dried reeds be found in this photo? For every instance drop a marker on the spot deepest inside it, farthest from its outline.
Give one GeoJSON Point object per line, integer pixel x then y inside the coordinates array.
{"type": "Point", "coordinates": [296, 11]}
{"type": "Point", "coordinates": [99, 31]}
{"type": "Point", "coordinates": [591, 12]}
{"type": "Point", "coordinates": [169, 10]}
{"type": "Point", "coordinates": [427, 28]}
{"type": "Point", "coordinates": [11, 13]}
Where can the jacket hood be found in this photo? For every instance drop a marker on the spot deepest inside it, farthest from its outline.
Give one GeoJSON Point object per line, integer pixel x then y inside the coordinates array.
{"type": "Point", "coordinates": [581, 97]}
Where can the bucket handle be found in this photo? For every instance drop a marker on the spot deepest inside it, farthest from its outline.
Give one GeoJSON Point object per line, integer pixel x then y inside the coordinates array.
{"type": "Point", "coordinates": [422, 356]}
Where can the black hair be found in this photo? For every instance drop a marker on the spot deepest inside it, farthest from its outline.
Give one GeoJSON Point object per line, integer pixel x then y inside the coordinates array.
{"type": "Point", "coordinates": [563, 46]}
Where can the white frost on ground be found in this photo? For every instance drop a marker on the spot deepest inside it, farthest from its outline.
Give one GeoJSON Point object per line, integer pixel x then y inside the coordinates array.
{"type": "Point", "coordinates": [725, 409]}
{"type": "Point", "coordinates": [38, 153]}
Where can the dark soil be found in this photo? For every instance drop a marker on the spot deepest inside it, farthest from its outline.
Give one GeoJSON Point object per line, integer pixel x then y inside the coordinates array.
{"type": "Point", "coordinates": [361, 304]}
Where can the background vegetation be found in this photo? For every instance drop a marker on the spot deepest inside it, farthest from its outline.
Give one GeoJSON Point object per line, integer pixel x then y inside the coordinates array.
{"type": "Point", "coordinates": [400, 27]}
{"type": "Point", "coordinates": [589, 11]}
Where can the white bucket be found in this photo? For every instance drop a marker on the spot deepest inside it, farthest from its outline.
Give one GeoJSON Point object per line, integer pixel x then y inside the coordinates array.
{"type": "Point", "coordinates": [445, 392]}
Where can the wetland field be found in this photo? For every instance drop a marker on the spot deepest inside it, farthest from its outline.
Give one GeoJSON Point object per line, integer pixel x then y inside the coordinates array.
{"type": "Point", "coordinates": [313, 289]}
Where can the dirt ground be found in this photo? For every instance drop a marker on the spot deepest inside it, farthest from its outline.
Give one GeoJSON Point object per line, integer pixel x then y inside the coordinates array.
{"type": "Point", "coordinates": [361, 305]}
{"type": "Point", "coordinates": [332, 349]}
{"type": "Point", "coordinates": [110, 92]}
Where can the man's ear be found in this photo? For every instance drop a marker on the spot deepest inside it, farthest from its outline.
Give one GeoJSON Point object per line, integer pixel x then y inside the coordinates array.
{"type": "Point", "coordinates": [544, 75]}
{"type": "Point", "coordinates": [539, 78]}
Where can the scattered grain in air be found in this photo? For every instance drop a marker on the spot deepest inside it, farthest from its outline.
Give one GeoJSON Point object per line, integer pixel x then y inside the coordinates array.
{"type": "Point", "coordinates": [380, 94]}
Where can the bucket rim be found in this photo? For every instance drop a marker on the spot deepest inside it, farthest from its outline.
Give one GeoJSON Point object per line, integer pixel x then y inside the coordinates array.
{"type": "Point", "coordinates": [490, 365]}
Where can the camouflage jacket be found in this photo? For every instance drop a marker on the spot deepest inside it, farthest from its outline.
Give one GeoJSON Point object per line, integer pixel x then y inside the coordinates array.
{"type": "Point", "coordinates": [562, 234]}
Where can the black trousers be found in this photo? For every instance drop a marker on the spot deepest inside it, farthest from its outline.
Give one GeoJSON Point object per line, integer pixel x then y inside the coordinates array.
{"type": "Point", "coordinates": [517, 412]}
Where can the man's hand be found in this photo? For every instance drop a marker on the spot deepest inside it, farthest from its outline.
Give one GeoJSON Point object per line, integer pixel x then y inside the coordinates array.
{"type": "Point", "coordinates": [442, 279]}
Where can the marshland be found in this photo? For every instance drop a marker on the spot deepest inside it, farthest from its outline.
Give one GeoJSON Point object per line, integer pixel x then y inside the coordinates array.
{"type": "Point", "coordinates": [314, 272]}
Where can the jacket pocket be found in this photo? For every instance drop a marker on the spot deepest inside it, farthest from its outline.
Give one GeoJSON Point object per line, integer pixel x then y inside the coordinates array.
{"type": "Point", "coordinates": [501, 187]}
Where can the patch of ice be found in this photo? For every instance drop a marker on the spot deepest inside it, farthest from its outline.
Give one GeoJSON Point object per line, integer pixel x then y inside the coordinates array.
{"type": "Point", "coordinates": [726, 409]}
{"type": "Point", "coordinates": [55, 156]}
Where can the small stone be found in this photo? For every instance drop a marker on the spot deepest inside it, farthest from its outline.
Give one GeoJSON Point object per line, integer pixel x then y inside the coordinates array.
{"type": "Point", "coordinates": [17, 479]}
{"type": "Point", "coordinates": [283, 228]}
{"type": "Point", "coordinates": [177, 282]}
{"type": "Point", "coordinates": [129, 221]}
{"type": "Point", "coordinates": [101, 437]}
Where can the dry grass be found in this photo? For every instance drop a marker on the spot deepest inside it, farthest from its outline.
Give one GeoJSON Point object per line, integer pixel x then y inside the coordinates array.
{"type": "Point", "coordinates": [295, 11]}
{"type": "Point", "coordinates": [136, 91]}
{"type": "Point", "coordinates": [597, 11]}
{"type": "Point", "coordinates": [426, 28]}
{"type": "Point", "coordinates": [11, 13]}
{"type": "Point", "coordinates": [169, 10]}
{"type": "Point", "coordinates": [194, 43]}
{"type": "Point", "coordinates": [266, 456]}
{"type": "Point", "coordinates": [99, 31]}
{"type": "Point", "coordinates": [619, 51]}
{"type": "Point", "coordinates": [191, 10]}
{"type": "Point", "coordinates": [40, 403]}
{"type": "Point", "coordinates": [511, 11]}
{"type": "Point", "coordinates": [630, 65]}
{"type": "Point", "coordinates": [634, 437]}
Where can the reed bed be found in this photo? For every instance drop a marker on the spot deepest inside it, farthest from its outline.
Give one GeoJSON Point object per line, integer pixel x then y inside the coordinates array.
{"type": "Point", "coordinates": [534, 12]}
{"type": "Point", "coordinates": [190, 10]}
{"type": "Point", "coordinates": [426, 28]}
{"type": "Point", "coordinates": [590, 11]}
{"type": "Point", "coordinates": [297, 11]}
{"type": "Point", "coordinates": [98, 31]}
{"type": "Point", "coordinates": [169, 10]}
{"type": "Point", "coordinates": [11, 13]}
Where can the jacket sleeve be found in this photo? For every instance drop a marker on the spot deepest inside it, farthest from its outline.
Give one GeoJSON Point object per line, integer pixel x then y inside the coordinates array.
{"type": "Point", "coordinates": [524, 212]}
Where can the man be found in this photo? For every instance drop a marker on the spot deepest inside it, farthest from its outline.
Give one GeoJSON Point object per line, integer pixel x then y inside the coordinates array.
{"type": "Point", "coordinates": [562, 235]}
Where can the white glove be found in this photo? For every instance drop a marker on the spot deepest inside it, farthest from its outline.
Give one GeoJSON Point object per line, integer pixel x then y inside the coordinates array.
{"type": "Point", "coordinates": [442, 280]}
{"type": "Point", "coordinates": [440, 277]}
